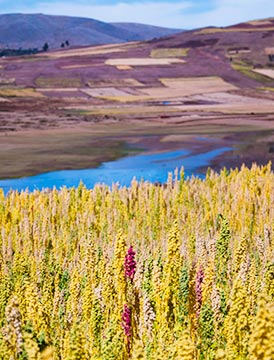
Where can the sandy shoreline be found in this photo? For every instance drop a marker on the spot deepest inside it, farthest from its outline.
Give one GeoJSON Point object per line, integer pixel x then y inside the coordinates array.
{"type": "Point", "coordinates": [87, 145]}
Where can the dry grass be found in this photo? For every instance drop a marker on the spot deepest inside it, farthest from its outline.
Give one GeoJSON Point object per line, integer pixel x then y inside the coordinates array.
{"type": "Point", "coordinates": [142, 61]}
{"type": "Point", "coordinates": [92, 50]}
{"type": "Point", "coordinates": [169, 52]}
{"type": "Point", "coordinates": [248, 71]}
{"type": "Point", "coordinates": [266, 88]}
{"type": "Point", "coordinates": [129, 110]}
{"type": "Point", "coordinates": [10, 92]}
{"type": "Point", "coordinates": [266, 72]}
{"type": "Point", "coordinates": [114, 83]}
{"type": "Point", "coordinates": [221, 30]}
{"type": "Point", "coordinates": [52, 82]}
{"type": "Point", "coordinates": [78, 66]}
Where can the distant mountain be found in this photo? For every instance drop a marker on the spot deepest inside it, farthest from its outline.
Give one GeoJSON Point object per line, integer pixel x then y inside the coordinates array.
{"type": "Point", "coordinates": [146, 32]}
{"type": "Point", "coordinates": [34, 30]}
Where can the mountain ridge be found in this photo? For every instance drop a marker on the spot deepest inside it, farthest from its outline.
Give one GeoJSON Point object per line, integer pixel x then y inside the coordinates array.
{"type": "Point", "coordinates": [33, 30]}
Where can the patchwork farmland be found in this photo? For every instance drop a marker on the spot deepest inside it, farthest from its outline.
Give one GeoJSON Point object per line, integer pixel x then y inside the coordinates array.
{"type": "Point", "coordinates": [189, 83]}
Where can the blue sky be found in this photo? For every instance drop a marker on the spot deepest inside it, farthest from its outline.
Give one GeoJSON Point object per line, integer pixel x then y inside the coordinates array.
{"type": "Point", "coordinates": [170, 13]}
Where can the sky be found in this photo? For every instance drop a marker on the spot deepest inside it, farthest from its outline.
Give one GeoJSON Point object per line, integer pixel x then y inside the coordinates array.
{"type": "Point", "coordinates": [181, 14]}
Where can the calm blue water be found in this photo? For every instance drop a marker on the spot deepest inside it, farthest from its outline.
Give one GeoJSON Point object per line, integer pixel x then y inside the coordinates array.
{"type": "Point", "coordinates": [149, 167]}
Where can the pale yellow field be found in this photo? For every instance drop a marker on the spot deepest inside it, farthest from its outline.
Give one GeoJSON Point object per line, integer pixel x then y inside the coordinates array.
{"type": "Point", "coordinates": [259, 22]}
{"type": "Point", "coordinates": [267, 72]}
{"type": "Point", "coordinates": [230, 108]}
{"type": "Point", "coordinates": [105, 92]}
{"type": "Point", "coordinates": [57, 89]}
{"type": "Point", "coordinates": [177, 88]}
{"type": "Point", "coordinates": [9, 92]}
{"type": "Point", "coordinates": [225, 103]}
{"type": "Point", "coordinates": [169, 52]}
{"type": "Point", "coordinates": [229, 103]}
{"type": "Point", "coordinates": [198, 84]}
{"type": "Point", "coordinates": [92, 50]}
{"type": "Point", "coordinates": [124, 67]}
{"type": "Point", "coordinates": [192, 89]}
{"type": "Point", "coordinates": [219, 30]}
{"type": "Point", "coordinates": [142, 61]}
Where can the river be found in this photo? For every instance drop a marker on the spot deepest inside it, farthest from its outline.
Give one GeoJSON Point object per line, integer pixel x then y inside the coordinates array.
{"type": "Point", "coordinates": [153, 167]}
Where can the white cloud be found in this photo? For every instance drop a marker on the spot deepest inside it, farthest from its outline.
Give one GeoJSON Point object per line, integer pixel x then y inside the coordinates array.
{"type": "Point", "coordinates": [178, 14]}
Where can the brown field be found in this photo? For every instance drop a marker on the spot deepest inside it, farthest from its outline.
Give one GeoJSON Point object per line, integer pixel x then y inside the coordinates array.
{"type": "Point", "coordinates": [139, 111]}
{"type": "Point", "coordinates": [169, 53]}
{"type": "Point", "coordinates": [50, 82]}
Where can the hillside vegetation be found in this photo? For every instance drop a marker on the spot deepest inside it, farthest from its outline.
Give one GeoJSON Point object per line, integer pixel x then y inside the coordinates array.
{"type": "Point", "coordinates": [182, 271]}
{"type": "Point", "coordinates": [34, 30]}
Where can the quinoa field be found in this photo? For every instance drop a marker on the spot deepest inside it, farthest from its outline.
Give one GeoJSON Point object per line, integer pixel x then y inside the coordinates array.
{"type": "Point", "coordinates": [180, 271]}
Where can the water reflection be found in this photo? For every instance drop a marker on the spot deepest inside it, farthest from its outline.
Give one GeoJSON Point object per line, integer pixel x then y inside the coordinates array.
{"type": "Point", "coordinates": [149, 167]}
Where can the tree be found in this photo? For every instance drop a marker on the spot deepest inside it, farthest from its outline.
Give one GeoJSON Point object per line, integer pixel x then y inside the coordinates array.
{"type": "Point", "coordinates": [67, 43]}
{"type": "Point", "coordinates": [46, 46]}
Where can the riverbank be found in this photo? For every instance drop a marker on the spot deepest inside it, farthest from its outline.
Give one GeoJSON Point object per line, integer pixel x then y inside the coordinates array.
{"type": "Point", "coordinates": [86, 145]}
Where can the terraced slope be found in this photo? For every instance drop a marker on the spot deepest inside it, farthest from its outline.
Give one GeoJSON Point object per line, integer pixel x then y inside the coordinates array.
{"type": "Point", "coordinates": [217, 82]}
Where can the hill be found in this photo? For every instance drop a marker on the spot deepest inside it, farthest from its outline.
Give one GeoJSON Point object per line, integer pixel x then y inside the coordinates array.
{"type": "Point", "coordinates": [146, 32]}
{"type": "Point", "coordinates": [88, 102]}
{"type": "Point", "coordinates": [33, 30]}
